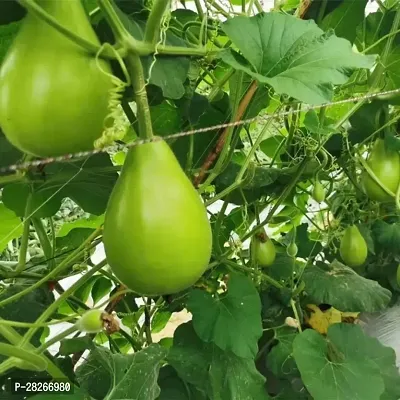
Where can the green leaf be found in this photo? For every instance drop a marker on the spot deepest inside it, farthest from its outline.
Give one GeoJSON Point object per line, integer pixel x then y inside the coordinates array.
{"type": "Point", "coordinates": [101, 287]}
{"type": "Point", "coordinates": [66, 244]}
{"type": "Point", "coordinates": [110, 376]}
{"type": "Point", "coordinates": [271, 145]}
{"type": "Point", "coordinates": [11, 226]}
{"type": "Point", "coordinates": [341, 287]}
{"type": "Point", "coordinates": [232, 320]}
{"type": "Point", "coordinates": [167, 72]}
{"type": "Point", "coordinates": [294, 56]}
{"type": "Point", "coordinates": [222, 375]}
{"type": "Point", "coordinates": [199, 113]}
{"type": "Point", "coordinates": [173, 388]}
{"type": "Point", "coordinates": [347, 362]}
{"type": "Point", "coordinates": [345, 18]}
{"type": "Point", "coordinates": [92, 222]}
{"type": "Point", "coordinates": [75, 345]}
{"type": "Point", "coordinates": [313, 124]}
{"type": "Point", "coordinates": [89, 183]}
{"type": "Point", "coordinates": [280, 359]}
{"type": "Point", "coordinates": [83, 292]}
{"type": "Point", "coordinates": [166, 119]}
{"type": "Point", "coordinates": [27, 308]}
{"type": "Point", "coordinates": [160, 320]}
{"type": "Point", "coordinates": [387, 235]}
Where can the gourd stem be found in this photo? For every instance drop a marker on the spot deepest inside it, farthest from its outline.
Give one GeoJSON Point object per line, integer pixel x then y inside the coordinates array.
{"type": "Point", "coordinates": [10, 334]}
{"type": "Point", "coordinates": [44, 240]}
{"type": "Point", "coordinates": [56, 338]}
{"type": "Point", "coordinates": [12, 351]}
{"type": "Point", "coordinates": [153, 24]}
{"type": "Point", "coordinates": [113, 20]}
{"type": "Point", "coordinates": [136, 73]}
{"type": "Point", "coordinates": [25, 237]}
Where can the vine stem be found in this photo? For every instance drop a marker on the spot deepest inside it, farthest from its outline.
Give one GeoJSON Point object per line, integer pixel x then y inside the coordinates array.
{"type": "Point", "coordinates": [136, 73]}
{"type": "Point", "coordinates": [25, 237]}
{"type": "Point", "coordinates": [296, 314]}
{"type": "Point", "coordinates": [153, 24]}
{"type": "Point", "coordinates": [11, 178]}
{"type": "Point", "coordinates": [280, 200]}
{"type": "Point", "coordinates": [63, 265]}
{"type": "Point", "coordinates": [147, 322]}
{"type": "Point", "coordinates": [56, 339]}
{"type": "Point", "coordinates": [22, 354]}
{"type": "Point", "coordinates": [44, 240]}
{"type": "Point", "coordinates": [14, 338]}
{"type": "Point", "coordinates": [53, 306]}
{"type": "Point", "coordinates": [223, 138]}
{"type": "Point", "coordinates": [113, 20]}
{"type": "Point", "coordinates": [264, 276]}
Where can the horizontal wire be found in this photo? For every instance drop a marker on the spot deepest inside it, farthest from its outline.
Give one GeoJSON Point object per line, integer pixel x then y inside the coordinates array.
{"type": "Point", "coordinates": [138, 142]}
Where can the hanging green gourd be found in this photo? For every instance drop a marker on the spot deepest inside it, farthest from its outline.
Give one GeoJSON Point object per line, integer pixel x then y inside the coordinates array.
{"type": "Point", "coordinates": [385, 164]}
{"type": "Point", "coordinates": [54, 96]}
{"type": "Point", "coordinates": [157, 236]}
{"type": "Point", "coordinates": [262, 249]}
{"type": "Point", "coordinates": [353, 247]}
{"type": "Point", "coordinates": [318, 193]}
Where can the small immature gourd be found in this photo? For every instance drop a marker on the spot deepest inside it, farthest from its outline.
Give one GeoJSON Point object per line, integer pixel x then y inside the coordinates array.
{"type": "Point", "coordinates": [53, 96]}
{"type": "Point", "coordinates": [157, 236]}
{"type": "Point", "coordinates": [318, 191]}
{"type": "Point", "coordinates": [262, 249]}
{"type": "Point", "coordinates": [292, 249]}
{"type": "Point", "coordinates": [353, 248]}
{"type": "Point", "coordinates": [91, 321]}
{"type": "Point", "coordinates": [385, 164]}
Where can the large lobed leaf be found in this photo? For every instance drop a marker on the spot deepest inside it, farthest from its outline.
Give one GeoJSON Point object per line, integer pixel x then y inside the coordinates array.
{"type": "Point", "coordinates": [346, 364]}
{"type": "Point", "coordinates": [220, 374]}
{"type": "Point", "coordinates": [294, 56]}
{"type": "Point", "coordinates": [110, 376]}
{"type": "Point", "coordinates": [342, 288]}
{"type": "Point", "coordinates": [233, 320]}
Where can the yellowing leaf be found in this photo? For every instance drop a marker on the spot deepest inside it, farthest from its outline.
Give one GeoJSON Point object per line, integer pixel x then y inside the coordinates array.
{"type": "Point", "coordinates": [321, 320]}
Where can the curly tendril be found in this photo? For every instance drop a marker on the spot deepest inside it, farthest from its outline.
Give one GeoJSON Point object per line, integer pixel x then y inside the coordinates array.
{"type": "Point", "coordinates": [110, 133]}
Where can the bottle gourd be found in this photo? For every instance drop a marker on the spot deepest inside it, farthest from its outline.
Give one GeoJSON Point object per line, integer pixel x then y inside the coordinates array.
{"type": "Point", "coordinates": [385, 164]}
{"type": "Point", "coordinates": [353, 247]}
{"type": "Point", "coordinates": [53, 95]}
{"type": "Point", "coordinates": [262, 249]}
{"type": "Point", "coordinates": [157, 236]}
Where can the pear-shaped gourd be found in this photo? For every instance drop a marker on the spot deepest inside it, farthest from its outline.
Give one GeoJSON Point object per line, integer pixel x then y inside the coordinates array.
{"type": "Point", "coordinates": [385, 164]}
{"type": "Point", "coordinates": [262, 249]}
{"type": "Point", "coordinates": [157, 236]}
{"type": "Point", "coordinates": [353, 248]}
{"type": "Point", "coordinates": [318, 191]}
{"type": "Point", "coordinates": [53, 95]}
